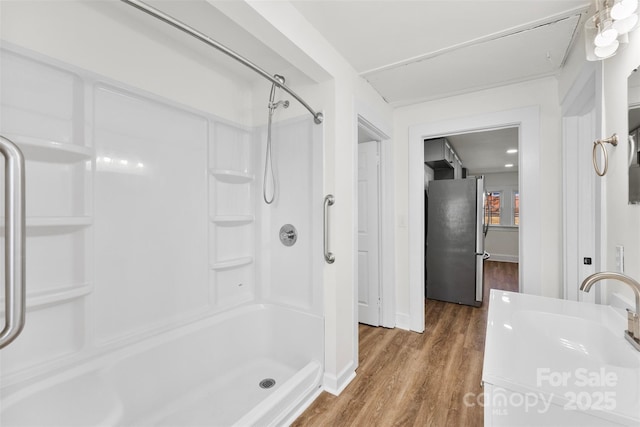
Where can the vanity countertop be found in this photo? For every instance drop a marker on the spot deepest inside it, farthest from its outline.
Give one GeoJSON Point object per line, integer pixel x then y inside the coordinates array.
{"type": "Point", "coordinates": [572, 353]}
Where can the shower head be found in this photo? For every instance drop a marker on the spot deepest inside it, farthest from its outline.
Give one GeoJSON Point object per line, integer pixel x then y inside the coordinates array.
{"type": "Point", "coordinates": [273, 105]}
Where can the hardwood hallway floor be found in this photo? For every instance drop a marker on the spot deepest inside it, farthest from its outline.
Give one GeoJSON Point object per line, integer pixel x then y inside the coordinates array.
{"type": "Point", "coordinates": [410, 379]}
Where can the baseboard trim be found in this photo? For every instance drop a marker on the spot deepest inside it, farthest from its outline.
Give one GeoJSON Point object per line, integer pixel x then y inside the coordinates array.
{"type": "Point", "coordinates": [403, 321]}
{"type": "Point", "coordinates": [336, 384]}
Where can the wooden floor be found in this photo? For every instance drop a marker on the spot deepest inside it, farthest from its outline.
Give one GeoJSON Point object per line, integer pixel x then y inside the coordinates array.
{"type": "Point", "coordinates": [410, 379]}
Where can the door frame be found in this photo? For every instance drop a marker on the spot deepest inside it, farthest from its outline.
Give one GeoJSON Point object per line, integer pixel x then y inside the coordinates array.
{"type": "Point", "coordinates": [527, 120]}
{"type": "Point", "coordinates": [364, 117]}
{"type": "Point", "coordinates": [581, 123]}
{"type": "Point", "coordinates": [386, 241]}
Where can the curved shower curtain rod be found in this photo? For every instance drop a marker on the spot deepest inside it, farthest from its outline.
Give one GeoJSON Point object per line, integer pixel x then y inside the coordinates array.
{"type": "Point", "coordinates": [317, 116]}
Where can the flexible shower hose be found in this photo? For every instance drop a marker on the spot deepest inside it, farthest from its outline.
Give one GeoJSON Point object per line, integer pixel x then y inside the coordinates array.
{"type": "Point", "coordinates": [268, 162]}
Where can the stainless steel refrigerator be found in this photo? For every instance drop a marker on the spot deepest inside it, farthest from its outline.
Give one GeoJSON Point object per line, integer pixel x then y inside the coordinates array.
{"type": "Point", "coordinates": [455, 240]}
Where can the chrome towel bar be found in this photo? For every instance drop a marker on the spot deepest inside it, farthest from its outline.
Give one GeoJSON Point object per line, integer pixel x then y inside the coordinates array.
{"type": "Point", "coordinates": [14, 250]}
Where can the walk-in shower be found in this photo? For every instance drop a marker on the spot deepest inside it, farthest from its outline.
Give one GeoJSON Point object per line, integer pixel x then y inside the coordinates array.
{"type": "Point", "coordinates": [157, 289]}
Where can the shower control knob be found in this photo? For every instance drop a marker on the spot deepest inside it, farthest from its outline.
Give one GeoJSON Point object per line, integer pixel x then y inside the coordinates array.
{"type": "Point", "coordinates": [288, 235]}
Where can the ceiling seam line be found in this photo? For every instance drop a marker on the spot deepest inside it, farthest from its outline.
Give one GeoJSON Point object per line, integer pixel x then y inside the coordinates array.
{"type": "Point", "coordinates": [474, 42]}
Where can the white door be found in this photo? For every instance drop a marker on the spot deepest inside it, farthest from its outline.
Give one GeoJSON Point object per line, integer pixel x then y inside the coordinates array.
{"type": "Point", "coordinates": [368, 234]}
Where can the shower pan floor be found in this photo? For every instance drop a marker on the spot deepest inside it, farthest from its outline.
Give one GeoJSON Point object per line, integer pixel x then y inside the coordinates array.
{"type": "Point", "coordinates": [225, 400]}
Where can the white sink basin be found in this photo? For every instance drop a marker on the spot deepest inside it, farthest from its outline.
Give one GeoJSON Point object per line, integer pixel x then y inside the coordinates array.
{"type": "Point", "coordinates": [578, 339]}
{"type": "Point", "coordinates": [570, 354]}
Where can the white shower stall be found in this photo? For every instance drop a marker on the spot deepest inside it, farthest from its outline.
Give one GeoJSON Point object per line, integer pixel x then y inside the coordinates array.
{"type": "Point", "coordinates": [158, 289]}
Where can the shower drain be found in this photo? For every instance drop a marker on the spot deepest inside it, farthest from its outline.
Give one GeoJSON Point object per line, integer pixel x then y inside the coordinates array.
{"type": "Point", "coordinates": [267, 383]}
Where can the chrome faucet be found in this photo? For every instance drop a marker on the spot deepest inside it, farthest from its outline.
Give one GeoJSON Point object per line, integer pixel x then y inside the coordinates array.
{"type": "Point", "coordinates": [632, 334]}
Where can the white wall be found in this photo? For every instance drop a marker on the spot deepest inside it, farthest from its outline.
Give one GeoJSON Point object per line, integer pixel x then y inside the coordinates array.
{"type": "Point", "coordinates": [502, 244]}
{"type": "Point", "coordinates": [291, 275]}
{"type": "Point", "coordinates": [502, 241]}
{"type": "Point", "coordinates": [111, 39]}
{"type": "Point", "coordinates": [622, 220]}
{"type": "Point", "coordinates": [541, 94]}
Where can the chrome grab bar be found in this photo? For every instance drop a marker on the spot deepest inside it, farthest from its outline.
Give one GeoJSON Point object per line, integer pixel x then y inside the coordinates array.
{"type": "Point", "coordinates": [329, 200]}
{"type": "Point", "coordinates": [14, 249]}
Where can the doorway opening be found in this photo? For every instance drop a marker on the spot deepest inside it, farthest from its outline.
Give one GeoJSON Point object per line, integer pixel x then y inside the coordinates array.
{"type": "Point", "coordinates": [472, 213]}
{"type": "Point", "coordinates": [375, 267]}
{"type": "Point", "coordinates": [370, 292]}
{"type": "Point", "coordinates": [527, 122]}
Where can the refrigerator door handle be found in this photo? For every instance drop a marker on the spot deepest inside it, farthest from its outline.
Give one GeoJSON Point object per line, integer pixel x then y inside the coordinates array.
{"type": "Point", "coordinates": [480, 235]}
{"type": "Point", "coordinates": [480, 216]}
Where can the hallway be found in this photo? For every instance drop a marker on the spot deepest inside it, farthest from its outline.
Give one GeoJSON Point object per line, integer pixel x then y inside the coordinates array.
{"type": "Point", "coordinates": [405, 378]}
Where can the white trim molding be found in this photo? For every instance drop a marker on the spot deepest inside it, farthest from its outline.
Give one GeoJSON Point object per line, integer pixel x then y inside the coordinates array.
{"type": "Point", "coordinates": [336, 384]}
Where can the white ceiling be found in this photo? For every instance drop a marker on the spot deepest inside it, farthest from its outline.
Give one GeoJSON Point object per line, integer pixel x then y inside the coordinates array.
{"type": "Point", "coordinates": [412, 51]}
{"type": "Point", "coordinates": [486, 151]}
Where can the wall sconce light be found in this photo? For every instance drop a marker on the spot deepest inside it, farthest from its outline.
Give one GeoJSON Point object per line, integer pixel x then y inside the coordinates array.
{"type": "Point", "coordinates": [608, 27]}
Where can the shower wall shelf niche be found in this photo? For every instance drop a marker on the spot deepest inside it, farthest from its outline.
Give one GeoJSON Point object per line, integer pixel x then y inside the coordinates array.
{"type": "Point", "coordinates": [42, 299]}
{"type": "Point", "coordinates": [232, 220]}
{"type": "Point", "coordinates": [54, 221]}
{"type": "Point", "coordinates": [232, 263]}
{"type": "Point", "coordinates": [43, 150]}
{"type": "Point", "coordinates": [231, 177]}
{"type": "Point", "coordinates": [232, 215]}
{"type": "Point", "coordinates": [44, 111]}
{"type": "Point", "coordinates": [59, 221]}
